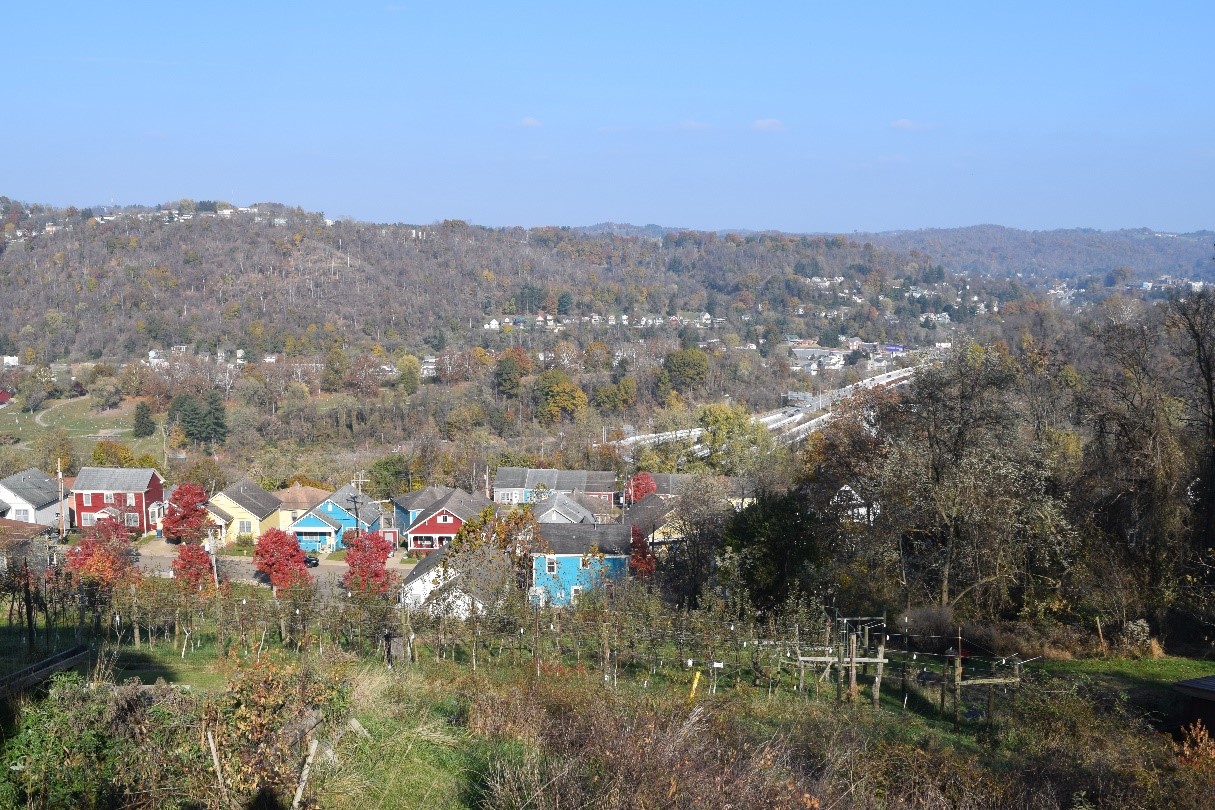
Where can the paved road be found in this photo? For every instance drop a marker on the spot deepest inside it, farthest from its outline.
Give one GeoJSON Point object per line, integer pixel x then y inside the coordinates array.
{"type": "Point", "coordinates": [157, 557]}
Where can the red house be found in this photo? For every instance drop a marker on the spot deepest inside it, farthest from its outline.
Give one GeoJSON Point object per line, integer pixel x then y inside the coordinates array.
{"type": "Point", "coordinates": [438, 523]}
{"type": "Point", "coordinates": [134, 497]}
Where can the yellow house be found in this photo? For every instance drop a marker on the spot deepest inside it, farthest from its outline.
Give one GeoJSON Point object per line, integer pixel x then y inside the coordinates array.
{"type": "Point", "coordinates": [244, 508]}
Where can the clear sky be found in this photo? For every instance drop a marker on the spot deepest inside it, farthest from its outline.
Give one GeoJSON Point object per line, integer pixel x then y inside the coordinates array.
{"type": "Point", "coordinates": [798, 116]}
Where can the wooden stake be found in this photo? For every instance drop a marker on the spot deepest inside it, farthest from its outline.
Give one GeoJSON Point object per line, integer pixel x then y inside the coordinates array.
{"type": "Point", "coordinates": [299, 791]}
{"type": "Point", "coordinates": [219, 775]}
{"type": "Point", "coordinates": [877, 678]}
{"type": "Point", "coordinates": [852, 666]}
{"type": "Point", "coordinates": [839, 675]}
{"type": "Point", "coordinates": [957, 683]}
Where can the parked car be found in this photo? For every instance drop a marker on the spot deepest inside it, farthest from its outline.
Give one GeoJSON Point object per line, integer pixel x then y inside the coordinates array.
{"type": "Point", "coordinates": [311, 561]}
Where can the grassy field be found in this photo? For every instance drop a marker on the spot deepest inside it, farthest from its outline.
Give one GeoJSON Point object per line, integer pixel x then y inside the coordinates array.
{"type": "Point", "coordinates": [82, 422]}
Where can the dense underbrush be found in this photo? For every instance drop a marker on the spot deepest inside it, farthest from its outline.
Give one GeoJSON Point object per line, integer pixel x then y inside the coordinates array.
{"type": "Point", "coordinates": [437, 736]}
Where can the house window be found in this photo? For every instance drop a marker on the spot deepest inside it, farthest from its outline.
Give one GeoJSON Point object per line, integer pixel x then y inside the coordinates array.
{"type": "Point", "coordinates": [445, 518]}
{"type": "Point", "coordinates": [88, 519]}
{"type": "Point", "coordinates": [550, 565]}
{"type": "Point", "coordinates": [131, 519]}
{"type": "Point", "coordinates": [108, 497]}
{"type": "Point", "coordinates": [130, 499]}
{"type": "Point", "coordinates": [244, 527]}
{"type": "Point", "coordinates": [584, 562]}
{"type": "Point", "coordinates": [87, 499]}
{"type": "Point", "coordinates": [575, 592]}
{"type": "Point", "coordinates": [22, 515]}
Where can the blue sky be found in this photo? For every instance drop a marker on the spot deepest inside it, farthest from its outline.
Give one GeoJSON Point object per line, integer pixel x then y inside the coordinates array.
{"type": "Point", "coordinates": [804, 116]}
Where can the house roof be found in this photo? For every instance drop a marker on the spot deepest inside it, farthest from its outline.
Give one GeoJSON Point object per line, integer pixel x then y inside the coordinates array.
{"type": "Point", "coordinates": [561, 508]}
{"type": "Point", "coordinates": [33, 486]}
{"type": "Point", "coordinates": [649, 513]}
{"type": "Point", "coordinates": [578, 538]}
{"type": "Point", "coordinates": [300, 497]}
{"type": "Point", "coordinates": [424, 566]}
{"type": "Point", "coordinates": [13, 532]}
{"type": "Point", "coordinates": [670, 483]}
{"type": "Point", "coordinates": [1202, 688]}
{"type": "Point", "coordinates": [368, 510]}
{"type": "Point", "coordinates": [462, 504]}
{"type": "Point", "coordinates": [557, 480]}
{"type": "Point", "coordinates": [480, 573]}
{"type": "Point", "coordinates": [114, 479]}
{"type": "Point", "coordinates": [17, 540]}
{"type": "Point", "coordinates": [421, 498]}
{"type": "Point", "coordinates": [253, 498]}
{"type": "Point", "coordinates": [223, 516]}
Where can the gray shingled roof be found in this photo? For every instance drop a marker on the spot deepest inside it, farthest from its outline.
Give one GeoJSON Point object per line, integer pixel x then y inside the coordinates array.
{"type": "Point", "coordinates": [219, 513]}
{"type": "Point", "coordinates": [252, 497]}
{"type": "Point", "coordinates": [510, 478]}
{"type": "Point", "coordinates": [577, 538]}
{"type": "Point", "coordinates": [33, 486]}
{"type": "Point", "coordinates": [424, 566]}
{"type": "Point", "coordinates": [670, 483]}
{"type": "Point", "coordinates": [556, 480]}
{"type": "Point", "coordinates": [568, 510]}
{"type": "Point", "coordinates": [649, 513]}
{"type": "Point", "coordinates": [463, 505]}
{"type": "Point", "coordinates": [422, 498]}
{"type": "Point", "coordinates": [113, 479]}
{"type": "Point", "coordinates": [369, 511]}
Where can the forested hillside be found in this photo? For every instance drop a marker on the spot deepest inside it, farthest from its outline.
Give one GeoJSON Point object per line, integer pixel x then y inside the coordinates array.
{"type": "Point", "coordinates": [1065, 254]}
{"type": "Point", "coordinates": [77, 287]}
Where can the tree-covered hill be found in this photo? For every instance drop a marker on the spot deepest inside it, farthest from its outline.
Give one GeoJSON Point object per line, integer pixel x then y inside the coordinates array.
{"type": "Point", "coordinates": [1067, 254]}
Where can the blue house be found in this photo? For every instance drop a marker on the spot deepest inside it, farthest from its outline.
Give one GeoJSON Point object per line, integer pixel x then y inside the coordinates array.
{"type": "Point", "coordinates": [321, 527]}
{"type": "Point", "coordinates": [578, 558]}
{"type": "Point", "coordinates": [407, 507]}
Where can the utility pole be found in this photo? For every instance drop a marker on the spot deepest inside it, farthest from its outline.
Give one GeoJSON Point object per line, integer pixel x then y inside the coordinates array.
{"type": "Point", "coordinates": [59, 474]}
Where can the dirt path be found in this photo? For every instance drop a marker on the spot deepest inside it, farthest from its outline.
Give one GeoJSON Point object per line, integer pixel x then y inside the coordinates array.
{"type": "Point", "coordinates": [41, 415]}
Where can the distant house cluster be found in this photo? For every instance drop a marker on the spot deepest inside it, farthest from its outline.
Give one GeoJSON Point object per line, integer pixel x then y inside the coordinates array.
{"type": "Point", "coordinates": [582, 535]}
{"type": "Point", "coordinates": [550, 323]}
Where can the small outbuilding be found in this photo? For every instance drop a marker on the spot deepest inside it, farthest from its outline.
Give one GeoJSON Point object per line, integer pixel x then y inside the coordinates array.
{"type": "Point", "coordinates": [1200, 700]}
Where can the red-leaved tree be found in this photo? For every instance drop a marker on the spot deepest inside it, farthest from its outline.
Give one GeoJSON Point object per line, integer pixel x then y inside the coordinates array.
{"type": "Point", "coordinates": [186, 519]}
{"type": "Point", "coordinates": [639, 486]}
{"type": "Point", "coordinates": [641, 560]}
{"type": "Point", "coordinates": [103, 556]}
{"type": "Point", "coordinates": [366, 560]}
{"type": "Point", "coordinates": [278, 555]}
{"type": "Point", "coordinates": [192, 568]}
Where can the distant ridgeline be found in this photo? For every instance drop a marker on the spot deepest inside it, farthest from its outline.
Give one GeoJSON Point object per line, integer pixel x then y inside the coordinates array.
{"type": "Point", "coordinates": [112, 283]}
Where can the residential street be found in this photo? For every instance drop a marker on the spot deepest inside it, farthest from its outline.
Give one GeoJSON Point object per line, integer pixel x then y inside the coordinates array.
{"type": "Point", "coordinates": [156, 558]}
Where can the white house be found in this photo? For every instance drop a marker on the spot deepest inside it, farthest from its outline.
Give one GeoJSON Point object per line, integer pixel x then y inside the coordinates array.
{"type": "Point", "coordinates": [30, 496]}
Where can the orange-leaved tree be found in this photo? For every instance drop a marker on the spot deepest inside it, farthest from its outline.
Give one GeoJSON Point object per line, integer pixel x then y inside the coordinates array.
{"type": "Point", "coordinates": [103, 556]}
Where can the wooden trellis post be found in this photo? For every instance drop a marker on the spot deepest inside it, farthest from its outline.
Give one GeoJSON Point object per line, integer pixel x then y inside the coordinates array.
{"type": "Point", "coordinates": [877, 678]}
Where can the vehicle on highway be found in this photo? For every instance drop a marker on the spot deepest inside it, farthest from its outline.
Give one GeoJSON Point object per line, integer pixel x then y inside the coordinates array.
{"type": "Point", "coordinates": [311, 561]}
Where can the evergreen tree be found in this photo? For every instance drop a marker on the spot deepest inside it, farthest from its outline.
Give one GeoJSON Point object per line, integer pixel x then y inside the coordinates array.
{"type": "Point", "coordinates": [190, 416]}
{"type": "Point", "coordinates": [143, 425]}
{"type": "Point", "coordinates": [216, 418]}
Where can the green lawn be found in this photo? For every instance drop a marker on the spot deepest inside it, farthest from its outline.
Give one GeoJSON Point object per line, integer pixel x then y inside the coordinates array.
{"type": "Point", "coordinates": [198, 668]}
{"type": "Point", "coordinates": [83, 423]}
